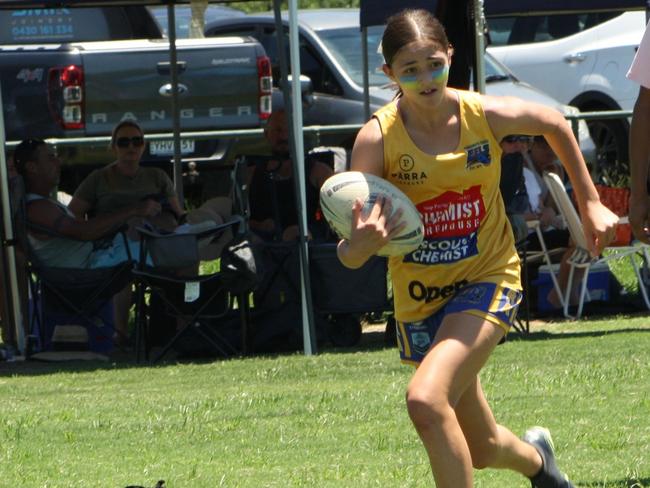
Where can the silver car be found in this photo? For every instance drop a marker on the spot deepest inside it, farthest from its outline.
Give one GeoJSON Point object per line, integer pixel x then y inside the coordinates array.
{"type": "Point", "coordinates": [331, 56]}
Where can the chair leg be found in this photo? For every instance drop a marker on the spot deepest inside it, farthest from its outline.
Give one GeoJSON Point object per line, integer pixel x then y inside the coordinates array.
{"type": "Point", "coordinates": [213, 338]}
{"type": "Point", "coordinates": [171, 343]}
{"type": "Point", "coordinates": [36, 319]}
{"type": "Point", "coordinates": [526, 297]}
{"type": "Point", "coordinates": [639, 278]}
{"type": "Point", "coordinates": [566, 296]}
{"type": "Point", "coordinates": [141, 343]}
{"type": "Point", "coordinates": [583, 293]}
{"type": "Point", "coordinates": [244, 315]}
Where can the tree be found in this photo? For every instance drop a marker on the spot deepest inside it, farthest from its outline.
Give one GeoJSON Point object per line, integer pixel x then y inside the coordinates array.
{"type": "Point", "coordinates": [266, 5]}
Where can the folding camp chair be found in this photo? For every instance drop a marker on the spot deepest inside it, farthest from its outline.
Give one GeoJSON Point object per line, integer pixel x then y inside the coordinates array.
{"type": "Point", "coordinates": [344, 295]}
{"type": "Point", "coordinates": [340, 296]}
{"type": "Point", "coordinates": [168, 268]}
{"type": "Point", "coordinates": [70, 295]}
{"type": "Point", "coordinates": [581, 258]}
{"type": "Point", "coordinates": [515, 198]}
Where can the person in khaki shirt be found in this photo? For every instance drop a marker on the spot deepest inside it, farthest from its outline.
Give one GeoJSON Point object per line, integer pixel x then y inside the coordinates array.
{"type": "Point", "coordinates": [126, 182]}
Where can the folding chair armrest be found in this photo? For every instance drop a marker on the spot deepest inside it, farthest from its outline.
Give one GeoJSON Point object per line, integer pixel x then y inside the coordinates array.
{"type": "Point", "coordinates": [150, 232]}
{"type": "Point", "coordinates": [235, 220]}
{"type": "Point", "coordinates": [532, 224]}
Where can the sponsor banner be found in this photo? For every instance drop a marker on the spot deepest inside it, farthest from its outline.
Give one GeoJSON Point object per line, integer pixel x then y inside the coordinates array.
{"type": "Point", "coordinates": [451, 223]}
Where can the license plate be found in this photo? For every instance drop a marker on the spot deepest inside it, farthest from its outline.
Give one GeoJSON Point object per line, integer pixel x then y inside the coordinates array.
{"type": "Point", "coordinates": [166, 148]}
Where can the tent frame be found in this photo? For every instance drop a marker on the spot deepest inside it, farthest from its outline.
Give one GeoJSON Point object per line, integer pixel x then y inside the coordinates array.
{"type": "Point", "coordinates": [295, 116]}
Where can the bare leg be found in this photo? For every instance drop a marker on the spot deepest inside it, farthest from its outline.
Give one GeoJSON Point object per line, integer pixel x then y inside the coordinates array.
{"type": "Point", "coordinates": [439, 387]}
{"type": "Point", "coordinates": [121, 306]}
{"type": "Point", "coordinates": [490, 444]}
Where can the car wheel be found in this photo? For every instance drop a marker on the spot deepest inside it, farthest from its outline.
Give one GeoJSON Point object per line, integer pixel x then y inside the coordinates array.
{"type": "Point", "coordinates": [612, 162]}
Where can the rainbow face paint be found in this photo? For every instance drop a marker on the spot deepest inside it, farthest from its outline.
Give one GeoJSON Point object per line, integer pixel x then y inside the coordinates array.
{"type": "Point", "coordinates": [416, 82]}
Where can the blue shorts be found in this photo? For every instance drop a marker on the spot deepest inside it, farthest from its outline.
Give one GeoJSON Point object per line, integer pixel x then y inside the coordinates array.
{"type": "Point", "coordinates": [115, 253]}
{"type": "Point", "coordinates": [489, 301]}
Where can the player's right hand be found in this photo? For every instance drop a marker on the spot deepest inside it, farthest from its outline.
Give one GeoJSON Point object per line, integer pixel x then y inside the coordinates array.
{"type": "Point", "coordinates": [373, 228]}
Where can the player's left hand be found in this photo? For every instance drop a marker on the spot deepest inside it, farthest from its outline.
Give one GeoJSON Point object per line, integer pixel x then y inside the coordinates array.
{"type": "Point", "coordinates": [599, 224]}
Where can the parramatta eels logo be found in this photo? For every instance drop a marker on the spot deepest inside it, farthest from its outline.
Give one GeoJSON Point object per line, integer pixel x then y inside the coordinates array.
{"type": "Point", "coordinates": [478, 155]}
{"type": "Point", "coordinates": [451, 224]}
{"type": "Point", "coordinates": [407, 173]}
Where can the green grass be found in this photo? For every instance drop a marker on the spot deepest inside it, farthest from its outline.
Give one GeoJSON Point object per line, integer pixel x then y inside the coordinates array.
{"type": "Point", "coordinates": [332, 420]}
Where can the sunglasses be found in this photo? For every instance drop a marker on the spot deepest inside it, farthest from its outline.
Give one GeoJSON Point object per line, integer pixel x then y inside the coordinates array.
{"type": "Point", "coordinates": [123, 142]}
{"type": "Point", "coordinates": [512, 139]}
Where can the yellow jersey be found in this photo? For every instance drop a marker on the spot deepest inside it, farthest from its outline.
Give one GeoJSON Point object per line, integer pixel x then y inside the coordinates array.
{"type": "Point", "coordinates": [467, 236]}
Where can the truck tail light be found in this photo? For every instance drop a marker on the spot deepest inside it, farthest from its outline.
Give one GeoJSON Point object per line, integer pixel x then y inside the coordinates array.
{"type": "Point", "coordinates": [265, 77]}
{"type": "Point", "coordinates": [66, 96]}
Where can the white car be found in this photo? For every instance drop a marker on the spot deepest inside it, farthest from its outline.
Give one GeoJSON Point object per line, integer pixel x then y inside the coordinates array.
{"type": "Point", "coordinates": [331, 56]}
{"type": "Point", "coordinates": [580, 59]}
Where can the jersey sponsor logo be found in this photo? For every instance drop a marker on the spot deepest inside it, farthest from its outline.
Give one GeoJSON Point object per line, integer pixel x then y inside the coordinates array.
{"type": "Point", "coordinates": [444, 251]}
{"type": "Point", "coordinates": [451, 223]}
{"type": "Point", "coordinates": [420, 338]}
{"type": "Point", "coordinates": [419, 292]}
{"type": "Point", "coordinates": [407, 174]}
{"type": "Point", "coordinates": [406, 162]}
{"type": "Point", "coordinates": [478, 155]}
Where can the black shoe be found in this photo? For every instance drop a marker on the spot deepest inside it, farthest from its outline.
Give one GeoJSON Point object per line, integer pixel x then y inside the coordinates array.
{"type": "Point", "coordinates": [549, 476]}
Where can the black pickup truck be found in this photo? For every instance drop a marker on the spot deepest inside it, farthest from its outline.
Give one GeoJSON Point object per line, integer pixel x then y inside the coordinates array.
{"type": "Point", "coordinates": [70, 73]}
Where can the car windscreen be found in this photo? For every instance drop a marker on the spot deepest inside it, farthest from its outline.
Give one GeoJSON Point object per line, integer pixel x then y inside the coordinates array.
{"type": "Point", "coordinates": [495, 71]}
{"type": "Point", "coordinates": [183, 15]}
{"type": "Point", "coordinates": [345, 46]}
{"type": "Point", "coordinates": [56, 25]}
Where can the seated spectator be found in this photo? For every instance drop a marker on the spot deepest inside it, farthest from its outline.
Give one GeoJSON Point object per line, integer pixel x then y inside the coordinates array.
{"type": "Point", "coordinates": [272, 196]}
{"type": "Point", "coordinates": [7, 333]}
{"type": "Point", "coordinates": [513, 186]}
{"type": "Point", "coordinates": [125, 183]}
{"type": "Point", "coordinates": [73, 246]}
{"type": "Point", "coordinates": [539, 158]}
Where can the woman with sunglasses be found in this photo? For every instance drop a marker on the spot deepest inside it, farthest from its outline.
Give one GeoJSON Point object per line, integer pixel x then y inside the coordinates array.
{"type": "Point", "coordinates": [124, 183]}
{"type": "Point", "coordinates": [440, 146]}
{"type": "Point", "coordinates": [121, 184]}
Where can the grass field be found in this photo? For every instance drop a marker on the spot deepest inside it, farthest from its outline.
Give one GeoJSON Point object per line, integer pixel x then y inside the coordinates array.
{"type": "Point", "coordinates": [332, 420]}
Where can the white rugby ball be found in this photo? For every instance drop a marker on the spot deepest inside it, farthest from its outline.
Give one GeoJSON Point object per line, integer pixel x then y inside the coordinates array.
{"type": "Point", "coordinates": [339, 192]}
